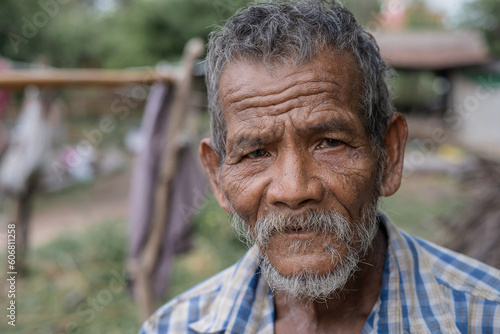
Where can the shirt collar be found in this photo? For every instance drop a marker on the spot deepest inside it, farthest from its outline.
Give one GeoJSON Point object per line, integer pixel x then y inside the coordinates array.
{"type": "Point", "coordinates": [410, 286]}
{"type": "Point", "coordinates": [243, 292]}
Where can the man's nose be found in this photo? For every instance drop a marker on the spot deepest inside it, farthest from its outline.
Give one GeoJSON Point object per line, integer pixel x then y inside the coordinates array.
{"type": "Point", "coordinates": [294, 184]}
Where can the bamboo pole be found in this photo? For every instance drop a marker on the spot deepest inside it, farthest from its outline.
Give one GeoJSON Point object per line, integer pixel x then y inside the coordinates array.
{"type": "Point", "coordinates": [148, 258]}
{"type": "Point", "coordinates": [83, 77]}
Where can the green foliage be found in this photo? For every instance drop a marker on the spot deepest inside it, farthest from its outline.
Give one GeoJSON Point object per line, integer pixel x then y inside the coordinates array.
{"type": "Point", "coordinates": [74, 39]}
{"type": "Point", "coordinates": [416, 90]}
{"type": "Point", "coordinates": [76, 284]}
{"type": "Point", "coordinates": [421, 201]}
{"type": "Point", "coordinates": [419, 17]}
{"type": "Point", "coordinates": [485, 16]}
{"type": "Point", "coordinates": [14, 15]}
{"type": "Point", "coordinates": [81, 34]}
{"type": "Point", "coordinates": [71, 33]}
{"type": "Point", "coordinates": [61, 31]}
{"type": "Point", "coordinates": [364, 11]}
{"type": "Point", "coordinates": [135, 33]}
{"type": "Point", "coordinates": [148, 31]}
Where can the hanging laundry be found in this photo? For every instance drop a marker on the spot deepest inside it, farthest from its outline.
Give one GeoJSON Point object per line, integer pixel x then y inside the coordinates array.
{"type": "Point", "coordinates": [28, 145]}
{"type": "Point", "coordinates": [189, 185]}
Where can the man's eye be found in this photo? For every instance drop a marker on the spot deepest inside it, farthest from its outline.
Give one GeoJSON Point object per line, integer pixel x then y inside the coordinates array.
{"type": "Point", "coordinates": [328, 142]}
{"type": "Point", "coordinates": [256, 154]}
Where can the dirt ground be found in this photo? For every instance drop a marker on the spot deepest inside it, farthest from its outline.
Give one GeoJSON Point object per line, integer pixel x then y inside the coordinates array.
{"type": "Point", "coordinates": [106, 199]}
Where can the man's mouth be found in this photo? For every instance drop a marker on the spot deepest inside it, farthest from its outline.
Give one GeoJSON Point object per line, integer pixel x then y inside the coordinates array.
{"type": "Point", "coordinates": [299, 232]}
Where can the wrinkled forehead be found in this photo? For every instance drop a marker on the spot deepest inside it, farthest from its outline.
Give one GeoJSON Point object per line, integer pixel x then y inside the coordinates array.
{"type": "Point", "coordinates": [250, 83]}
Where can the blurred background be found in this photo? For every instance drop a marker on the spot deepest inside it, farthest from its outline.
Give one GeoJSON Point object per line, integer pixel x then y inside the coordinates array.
{"type": "Point", "coordinates": [76, 184]}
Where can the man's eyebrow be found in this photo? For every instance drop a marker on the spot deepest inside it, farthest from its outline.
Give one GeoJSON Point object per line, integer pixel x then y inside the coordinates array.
{"type": "Point", "coordinates": [336, 125]}
{"type": "Point", "coordinates": [243, 142]}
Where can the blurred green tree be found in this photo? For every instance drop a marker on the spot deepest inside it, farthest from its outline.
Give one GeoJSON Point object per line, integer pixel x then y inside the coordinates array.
{"type": "Point", "coordinates": [148, 31]}
{"type": "Point", "coordinates": [484, 15]}
{"type": "Point", "coordinates": [364, 11]}
{"type": "Point", "coordinates": [420, 17]}
{"type": "Point", "coordinates": [89, 34]}
{"type": "Point", "coordinates": [16, 30]}
{"type": "Point", "coordinates": [57, 30]}
{"type": "Point", "coordinates": [118, 33]}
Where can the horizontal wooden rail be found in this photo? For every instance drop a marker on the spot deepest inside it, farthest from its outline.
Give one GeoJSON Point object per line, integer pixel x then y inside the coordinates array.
{"type": "Point", "coordinates": [83, 77]}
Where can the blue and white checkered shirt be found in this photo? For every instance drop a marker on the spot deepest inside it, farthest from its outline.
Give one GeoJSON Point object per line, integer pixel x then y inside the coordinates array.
{"type": "Point", "coordinates": [425, 289]}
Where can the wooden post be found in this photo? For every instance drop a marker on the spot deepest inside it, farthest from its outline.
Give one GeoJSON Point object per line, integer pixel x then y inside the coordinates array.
{"type": "Point", "coordinates": [144, 268]}
{"type": "Point", "coordinates": [23, 207]}
{"type": "Point", "coordinates": [82, 77]}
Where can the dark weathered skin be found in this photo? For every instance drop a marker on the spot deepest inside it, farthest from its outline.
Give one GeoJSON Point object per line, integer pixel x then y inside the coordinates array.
{"type": "Point", "coordinates": [297, 140]}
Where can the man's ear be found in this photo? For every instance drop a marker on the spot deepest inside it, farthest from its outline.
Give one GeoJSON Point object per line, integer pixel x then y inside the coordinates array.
{"type": "Point", "coordinates": [211, 162]}
{"type": "Point", "coordinates": [396, 134]}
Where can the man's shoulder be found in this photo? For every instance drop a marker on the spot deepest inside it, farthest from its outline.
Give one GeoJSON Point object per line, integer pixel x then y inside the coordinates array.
{"type": "Point", "coordinates": [456, 274]}
{"type": "Point", "coordinates": [188, 306]}
{"type": "Point", "coordinates": [429, 288]}
{"type": "Point", "coordinates": [461, 274]}
{"type": "Point", "coordinates": [209, 303]}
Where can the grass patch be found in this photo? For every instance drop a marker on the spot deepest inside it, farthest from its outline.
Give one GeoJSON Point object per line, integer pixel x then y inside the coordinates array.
{"type": "Point", "coordinates": [76, 284]}
{"type": "Point", "coordinates": [420, 203]}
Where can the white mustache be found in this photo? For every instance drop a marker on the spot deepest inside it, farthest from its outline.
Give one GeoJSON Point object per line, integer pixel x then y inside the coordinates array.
{"type": "Point", "coordinates": [319, 221]}
{"type": "Point", "coordinates": [326, 222]}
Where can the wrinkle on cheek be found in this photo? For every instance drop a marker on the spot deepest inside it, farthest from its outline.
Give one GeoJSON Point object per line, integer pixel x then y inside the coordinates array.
{"type": "Point", "coordinates": [353, 170]}
{"type": "Point", "coordinates": [347, 167]}
{"type": "Point", "coordinates": [239, 189]}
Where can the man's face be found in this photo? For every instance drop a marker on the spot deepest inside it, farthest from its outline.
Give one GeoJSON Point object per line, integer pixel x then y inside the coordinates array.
{"type": "Point", "coordinates": [296, 142]}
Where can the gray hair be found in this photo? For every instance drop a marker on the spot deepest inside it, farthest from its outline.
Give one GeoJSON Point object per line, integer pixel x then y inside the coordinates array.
{"type": "Point", "coordinates": [284, 31]}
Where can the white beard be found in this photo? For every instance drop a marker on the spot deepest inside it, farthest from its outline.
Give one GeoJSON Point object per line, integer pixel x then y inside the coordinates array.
{"type": "Point", "coordinates": [311, 285]}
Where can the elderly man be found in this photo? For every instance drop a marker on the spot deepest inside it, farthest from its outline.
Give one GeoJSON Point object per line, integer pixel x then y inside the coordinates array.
{"type": "Point", "coordinates": [304, 142]}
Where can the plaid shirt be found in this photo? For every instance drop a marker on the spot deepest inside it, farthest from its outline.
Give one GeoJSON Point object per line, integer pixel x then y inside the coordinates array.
{"type": "Point", "coordinates": [425, 289]}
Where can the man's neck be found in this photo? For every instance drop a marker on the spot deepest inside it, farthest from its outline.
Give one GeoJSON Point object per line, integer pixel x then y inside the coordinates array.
{"type": "Point", "coordinates": [345, 312]}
